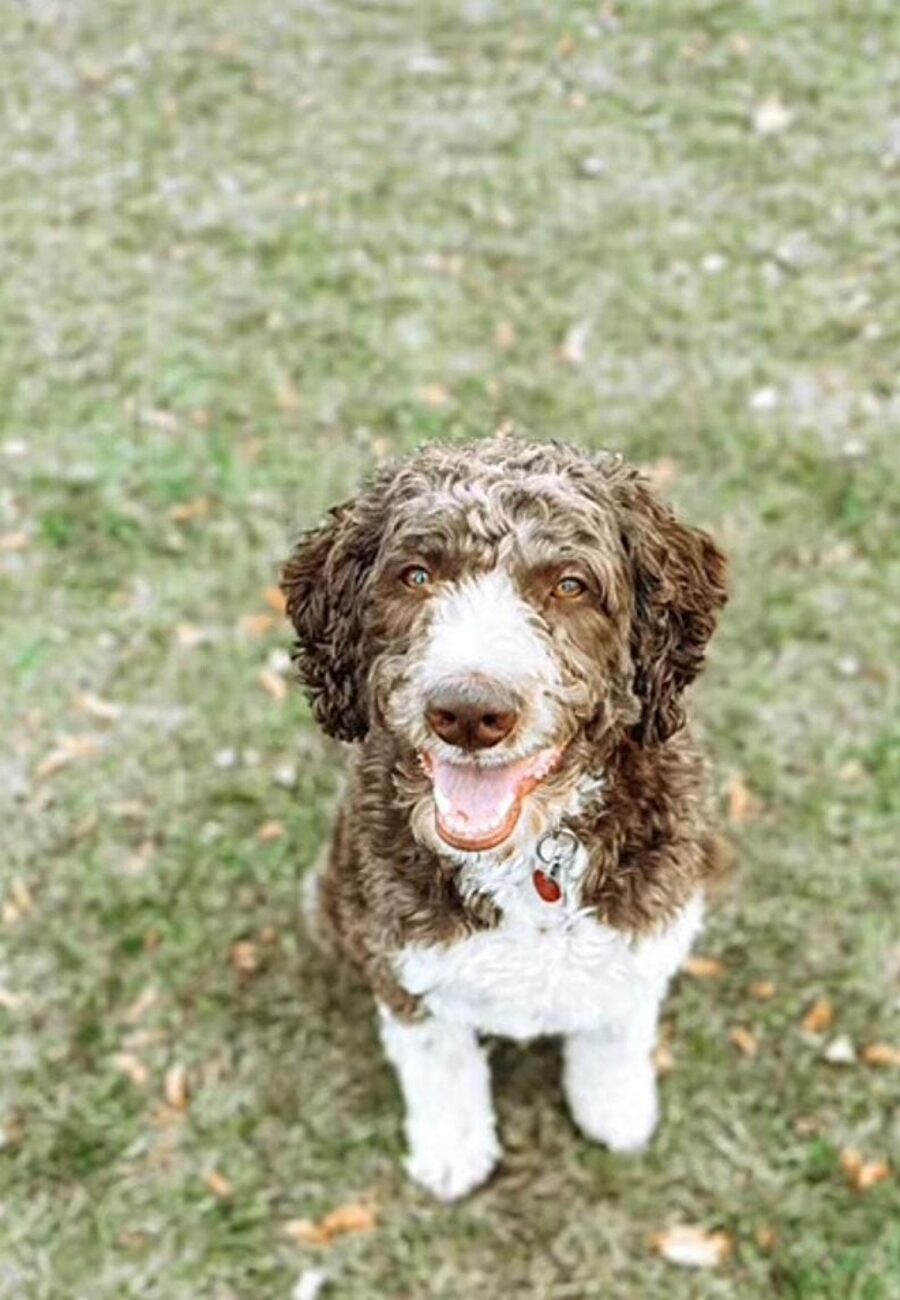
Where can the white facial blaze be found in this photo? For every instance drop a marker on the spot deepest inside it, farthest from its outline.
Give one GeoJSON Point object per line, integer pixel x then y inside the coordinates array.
{"type": "Point", "coordinates": [483, 626]}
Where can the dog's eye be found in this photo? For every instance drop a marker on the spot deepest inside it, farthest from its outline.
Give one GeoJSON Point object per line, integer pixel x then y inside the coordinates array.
{"type": "Point", "coordinates": [569, 588]}
{"type": "Point", "coordinates": [416, 576]}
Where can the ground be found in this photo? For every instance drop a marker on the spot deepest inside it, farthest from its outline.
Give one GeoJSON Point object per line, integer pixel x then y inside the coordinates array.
{"type": "Point", "coordinates": [249, 250]}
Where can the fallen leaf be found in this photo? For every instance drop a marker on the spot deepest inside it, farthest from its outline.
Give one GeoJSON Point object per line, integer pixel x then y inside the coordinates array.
{"type": "Point", "coordinates": [338, 1222]}
{"type": "Point", "coordinates": [882, 1055]}
{"type": "Point", "coordinates": [763, 990]}
{"type": "Point", "coordinates": [132, 1067]}
{"type": "Point", "coordinates": [189, 636]}
{"type": "Point", "coordinates": [146, 999]}
{"type": "Point", "coordinates": [744, 1040]}
{"type": "Point", "coordinates": [176, 1088]}
{"type": "Point", "coordinates": [274, 684]}
{"type": "Point", "coordinates": [766, 1237]}
{"type": "Point", "coordinates": [692, 1247]}
{"type": "Point", "coordinates": [819, 1017]}
{"type": "Point", "coordinates": [219, 1185]}
{"type": "Point", "coordinates": [704, 968]}
{"type": "Point", "coordinates": [663, 1059]}
{"type": "Point", "coordinates": [275, 599]}
{"type": "Point", "coordinates": [188, 512]}
{"type": "Point", "coordinates": [287, 396]}
{"type": "Point", "coordinates": [808, 1125]}
{"type": "Point", "coordinates": [861, 1173]}
{"type": "Point", "coordinates": [71, 749]}
{"type": "Point", "coordinates": [244, 957]}
{"type": "Point", "coordinates": [255, 625]}
{"type": "Point", "coordinates": [505, 335]}
{"type": "Point", "coordinates": [349, 1218]}
{"type": "Point", "coordinates": [434, 396]}
{"type": "Point", "coordinates": [771, 116]}
{"type": "Point", "coordinates": [15, 541]}
{"type": "Point", "coordinates": [95, 707]}
{"type": "Point", "coordinates": [743, 805]}
{"type": "Point", "coordinates": [270, 831]}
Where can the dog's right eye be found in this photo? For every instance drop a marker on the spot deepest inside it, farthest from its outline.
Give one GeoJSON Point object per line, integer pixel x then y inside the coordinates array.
{"type": "Point", "coordinates": [416, 576]}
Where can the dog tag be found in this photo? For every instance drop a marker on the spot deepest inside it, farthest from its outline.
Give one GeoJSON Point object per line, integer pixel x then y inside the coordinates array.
{"type": "Point", "coordinates": [556, 853]}
{"type": "Point", "coordinates": [546, 886]}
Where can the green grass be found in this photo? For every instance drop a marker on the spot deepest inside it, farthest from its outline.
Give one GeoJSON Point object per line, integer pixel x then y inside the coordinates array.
{"type": "Point", "coordinates": [242, 245]}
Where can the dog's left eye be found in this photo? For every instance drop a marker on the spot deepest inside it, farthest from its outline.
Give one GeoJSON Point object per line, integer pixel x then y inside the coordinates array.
{"type": "Point", "coordinates": [416, 576]}
{"type": "Point", "coordinates": [568, 588]}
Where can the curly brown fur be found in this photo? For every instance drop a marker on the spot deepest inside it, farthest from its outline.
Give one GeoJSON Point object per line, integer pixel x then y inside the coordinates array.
{"type": "Point", "coordinates": [623, 657]}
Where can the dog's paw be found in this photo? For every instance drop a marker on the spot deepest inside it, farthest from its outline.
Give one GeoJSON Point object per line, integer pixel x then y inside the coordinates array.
{"type": "Point", "coordinates": [451, 1166]}
{"type": "Point", "coordinates": [622, 1115]}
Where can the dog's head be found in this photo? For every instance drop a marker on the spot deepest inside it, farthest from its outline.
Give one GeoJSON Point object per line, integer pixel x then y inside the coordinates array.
{"type": "Point", "coordinates": [502, 610]}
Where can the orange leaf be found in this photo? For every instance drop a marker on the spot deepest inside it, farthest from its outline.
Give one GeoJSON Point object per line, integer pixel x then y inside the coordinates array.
{"type": "Point", "coordinates": [349, 1218]}
{"type": "Point", "coordinates": [704, 968]}
{"type": "Point", "coordinates": [763, 990]}
{"type": "Point", "coordinates": [17, 541]}
{"type": "Point", "coordinates": [219, 1185]}
{"type": "Point", "coordinates": [744, 1041]}
{"type": "Point", "coordinates": [188, 512]}
{"type": "Point", "coordinates": [176, 1087]}
{"type": "Point", "coordinates": [882, 1054]}
{"type": "Point", "coordinates": [274, 684]}
{"type": "Point", "coordinates": [663, 1059]}
{"type": "Point", "coordinates": [692, 1247]}
{"type": "Point", "coordinates": [270, 831]}
{"type": "Point", "coordinates": [244, 957]}
{"type": "Point", "coordinates": [819, 1017]}
{"type": "Point", "coordinates": [863, 1174]}
{"type": "Point", "coordinates": [434, 396]}
{"type": "Point", "coordinates": [255, 625]}
{"type": "Point", "coordinates": [743, 805]}
{"type": "Point", "coordinates": [344, 1219]}
{"type": "Point", "coordinates": [275, 599]}
{"type": "Point", "coordinates": [766, 1237]}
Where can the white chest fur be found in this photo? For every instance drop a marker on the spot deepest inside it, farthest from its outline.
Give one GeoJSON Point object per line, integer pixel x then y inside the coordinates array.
{"type": "Point", "coordinates": [547, 968]}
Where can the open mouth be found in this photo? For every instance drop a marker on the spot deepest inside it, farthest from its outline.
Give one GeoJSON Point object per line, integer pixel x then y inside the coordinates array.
{"type": "Point", "coordinates": [477, 808]}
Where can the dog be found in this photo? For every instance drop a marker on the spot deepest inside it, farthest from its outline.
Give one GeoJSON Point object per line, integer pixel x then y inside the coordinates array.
{"type": "Point", "coordinates": [505, 630]}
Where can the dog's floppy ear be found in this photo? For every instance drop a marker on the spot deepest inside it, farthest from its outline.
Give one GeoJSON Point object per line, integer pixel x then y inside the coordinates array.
{"type": "Point", "coordinates": [324, 584]}
{"type": "Point", "coordinates": [679, 586]}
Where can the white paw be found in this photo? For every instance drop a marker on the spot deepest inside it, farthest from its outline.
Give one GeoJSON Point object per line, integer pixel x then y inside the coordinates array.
{"type": "Point", "coordinates": [451, 1169]}
{"type": "Point", "coordinates": [622, 1112]}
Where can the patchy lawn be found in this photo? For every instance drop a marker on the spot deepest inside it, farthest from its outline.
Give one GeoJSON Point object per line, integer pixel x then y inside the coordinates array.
{"type": "Point", "coordinates": [247, 251]}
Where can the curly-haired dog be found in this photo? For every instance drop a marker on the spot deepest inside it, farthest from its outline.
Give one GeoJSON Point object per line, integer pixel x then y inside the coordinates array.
{"type": "Point", "coordinates": [506, 630]}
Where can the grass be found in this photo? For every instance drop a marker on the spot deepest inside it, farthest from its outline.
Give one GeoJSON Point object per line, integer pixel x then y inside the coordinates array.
{"type": "Point", "coordinates": [250, 249]}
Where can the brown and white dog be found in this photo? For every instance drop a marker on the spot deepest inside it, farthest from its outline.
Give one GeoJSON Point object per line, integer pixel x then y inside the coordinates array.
{"type": "Point", "coordinates": [506, 630]}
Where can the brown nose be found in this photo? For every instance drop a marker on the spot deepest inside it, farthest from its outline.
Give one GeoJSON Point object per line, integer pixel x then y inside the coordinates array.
{"type": "Point", "coordinates": [471, 720]}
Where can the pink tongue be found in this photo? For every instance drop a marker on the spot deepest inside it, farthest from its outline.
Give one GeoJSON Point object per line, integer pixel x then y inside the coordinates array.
{"type": "Point", "coordinates": [472, 799]}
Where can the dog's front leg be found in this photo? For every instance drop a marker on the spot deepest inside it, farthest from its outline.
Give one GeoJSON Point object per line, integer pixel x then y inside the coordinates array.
{"type": "Point", "coordinates": [610, 1079]}
{"type": "Point", "coordinates": [446, 1085]}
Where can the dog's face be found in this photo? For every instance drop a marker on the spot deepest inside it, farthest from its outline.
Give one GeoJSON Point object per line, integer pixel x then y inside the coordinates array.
{"type": "Point", "coordinates": [499, 609]}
